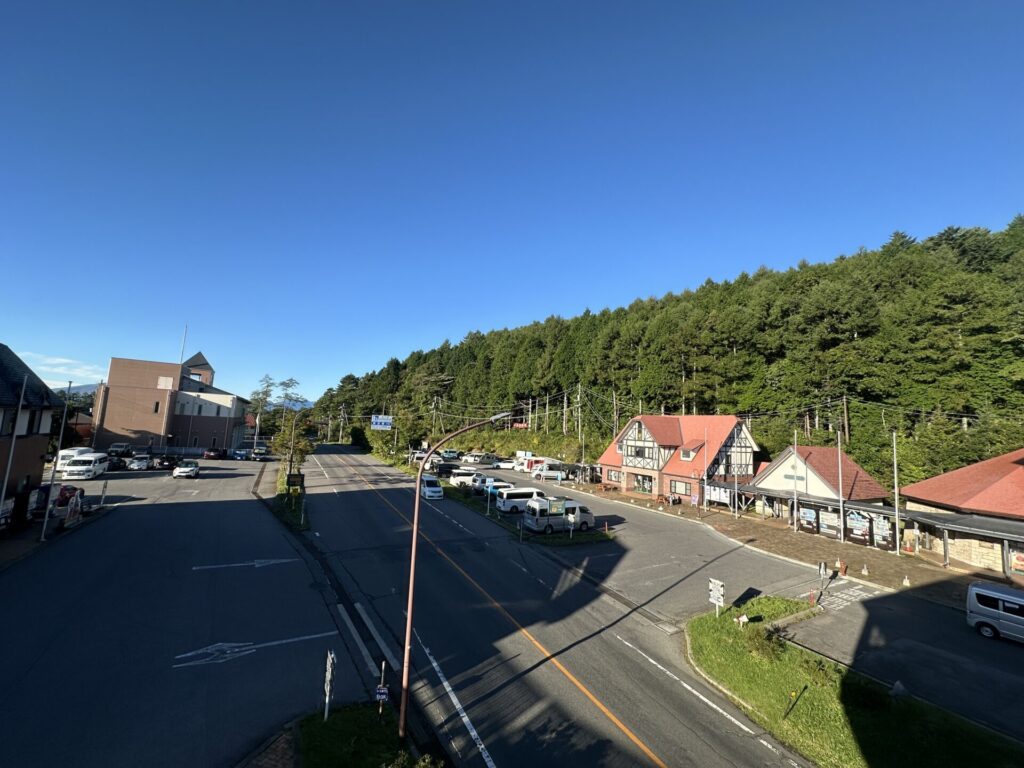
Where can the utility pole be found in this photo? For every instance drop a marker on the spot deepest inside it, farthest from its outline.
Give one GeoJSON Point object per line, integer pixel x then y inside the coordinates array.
{"type": "Point", "coordinates": [51, 502]}
{"type": "Point", "coordinates": [547, 402]}
{"type": "Point", "coordinates": [896, 493]}
{"type": "Point", "coordinates": [565, 413]}
{"type": "Point", "coordinates": [615, 411]}
{"type": "Point", "coordinates": [839, 459]}
{"type": "Point", "coordinates": [846, 420]}
{"type": "Point", "coordinates": [796, 506]}
{"type": "Point", "coordinates": [579, 410]}
{"type": "Point", "coordinates": [684, 384]}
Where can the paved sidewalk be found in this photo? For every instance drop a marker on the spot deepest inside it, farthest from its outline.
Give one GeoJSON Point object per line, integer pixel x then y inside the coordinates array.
{"type": "Point", "coordinates": [947, 586]}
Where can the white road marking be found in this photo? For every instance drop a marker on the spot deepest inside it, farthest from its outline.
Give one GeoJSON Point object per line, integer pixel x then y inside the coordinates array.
{"type": "Point", "coordinates": [520, 567]}
{"type": "Point", "coordinates": [250, 563]}
{"type": "Point", "coordinates": [359, 641]}
{"type": "Point", "coordinates": [217, 653]}
{"type": "Point", "coordinates": [458, 706]}
{"type": "Point", "coordinates": [321, 467]}
{"type": "Point", "coordinates": [384, 647]}
{"type": "Point", "coordinates": [692, 690]}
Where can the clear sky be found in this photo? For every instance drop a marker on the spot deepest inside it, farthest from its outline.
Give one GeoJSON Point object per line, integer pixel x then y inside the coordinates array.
{"type": "Point", "coordinates": [315, 187]}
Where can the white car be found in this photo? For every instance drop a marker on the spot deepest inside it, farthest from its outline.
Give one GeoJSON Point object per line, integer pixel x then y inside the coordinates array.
{"type": "Point", "coordinates": [481, 481]}
{"type": "Point", "coordinates": [430, 488]}
{"type": "Point", "coordinates": [505, 464]}
{"type": "Point", "coordinates": [186, 468]}
{"type": "Point", "coordinates": [548, 474]}
{"type": "Point", "coordinates": [142, 461]}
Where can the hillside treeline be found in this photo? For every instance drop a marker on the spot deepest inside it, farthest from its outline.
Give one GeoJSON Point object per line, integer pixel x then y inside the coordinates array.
{"type": "Point", "coordinates": [924, 338]}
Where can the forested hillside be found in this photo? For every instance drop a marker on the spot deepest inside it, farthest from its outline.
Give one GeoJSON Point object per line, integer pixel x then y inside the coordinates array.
{"type": "Point", "coordinates": [926, 338]}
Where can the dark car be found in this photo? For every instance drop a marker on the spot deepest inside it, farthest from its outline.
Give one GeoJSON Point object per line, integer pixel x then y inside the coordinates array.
{"type": "Point", "coordinates": [213, 453]}
{"type": "Point", "coordinates": [166, 462]}
{"type": "Point", "coordinates": [115, 463]}
{"type": "Point", "coordinates": [445, 469]}
{"type": "Point", "coordinates": [260, 453]}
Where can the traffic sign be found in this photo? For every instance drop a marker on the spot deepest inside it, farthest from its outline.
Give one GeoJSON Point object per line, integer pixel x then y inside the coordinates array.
{"type": "Point", "coordinates": [382, 694]}
{"type": "Point", "coordinates": [380, 422]}
{"type": "Point", "coordinates": [716, 593]}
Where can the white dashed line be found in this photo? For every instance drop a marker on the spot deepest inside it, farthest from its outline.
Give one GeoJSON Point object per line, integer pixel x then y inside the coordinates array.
{"type": "Point", "coordinates": [359, 641]}
{"type": "Point", "coordinates": [384, 647]}
{"type": "Point", "coordinates": [458, 706]}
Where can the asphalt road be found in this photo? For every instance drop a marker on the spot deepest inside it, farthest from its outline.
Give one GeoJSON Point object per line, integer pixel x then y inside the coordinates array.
{"type": "Point", "coordinates": [893, 637]}
{"type": "Point", "coordinates": [539, 667]}
{"type": "Point", "coordinates": [99, 625]}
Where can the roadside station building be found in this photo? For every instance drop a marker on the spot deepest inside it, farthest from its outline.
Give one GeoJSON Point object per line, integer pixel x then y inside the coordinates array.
{"type": "Point", "coordinates": [673, 458]}
{"type": "Point", "coordinates": [974, 514]}
{"type": "Point", "coordinates": [808, 480]}
{"type": "Point", "coordinates": [161, 405]}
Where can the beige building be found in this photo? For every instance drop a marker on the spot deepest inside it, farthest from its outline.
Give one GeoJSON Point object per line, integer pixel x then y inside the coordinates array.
{"type": "Point", "coordinates": [160, 405]}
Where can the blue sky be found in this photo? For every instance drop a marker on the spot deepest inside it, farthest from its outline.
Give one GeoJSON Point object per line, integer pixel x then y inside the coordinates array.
{"type": "Point", "coordinates": [316, 187]}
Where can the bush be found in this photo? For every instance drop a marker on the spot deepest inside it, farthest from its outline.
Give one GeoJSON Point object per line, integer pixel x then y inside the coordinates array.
{"type": "Point", "coordinates": [765, 643]}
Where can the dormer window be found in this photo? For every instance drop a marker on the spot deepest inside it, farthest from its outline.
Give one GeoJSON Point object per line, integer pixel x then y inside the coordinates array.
{"type": "Point", "coordinates": [685, 454]}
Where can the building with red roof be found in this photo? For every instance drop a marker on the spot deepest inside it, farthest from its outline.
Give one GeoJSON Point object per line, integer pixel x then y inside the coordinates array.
{"type": "Point", "coordinates": [974, 514]}
{"type": "Point", "coordinates": [673, 456]}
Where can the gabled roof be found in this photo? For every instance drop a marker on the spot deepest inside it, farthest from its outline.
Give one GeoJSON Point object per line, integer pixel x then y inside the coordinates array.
{"type": "Point", "coordinates": [197, 361]}
{"type": "Point", "coordinates": [991, 487]}
{"type": "Point", "coordinates": [676, 431]}
{"type": "Point", "coordinates": [858, 485]}
{"type": "Point", "coordinates": [12, 374]}
{"type": "Point", "coordinates": [189, 385]}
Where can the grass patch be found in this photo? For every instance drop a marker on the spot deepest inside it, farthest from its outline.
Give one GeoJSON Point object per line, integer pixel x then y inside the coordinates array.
{"type": "Point", "coordinates": [286, 507]}
{"type": "Point", "coordinates": [354, 737]}
{"type": "Point", "coordinates": [833, 716]}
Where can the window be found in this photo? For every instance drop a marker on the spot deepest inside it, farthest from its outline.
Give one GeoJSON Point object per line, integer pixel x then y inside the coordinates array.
{"type": "Point", "coordinates": [643, 484]}
{"type": "Point", "coordinates": [218, 410]}
{"type": "Point", "coordinates": [986, 601]}
{"type": "Point", "coordinates": [1014, 609]}
{"type": "Point", "coordinates": [678, 486]}
{"type": "Point", "coordinates": [7, 422]}
{"type": "Point", "coordinates": [181, 408]}
{"type": "Point", "coordinates": [685, 454]}
{"type": "Point", "coordinates": [214, 445]}
{"type": "Point", "coordinates": [34, 419]}
{"type": "Point", "coordinates": [156, 407]}
{"type": "Point", "coordinates": [639, 452]}
{"type": "Point", "coordinates": [618, 447]}
{"type": "Point", "coordinates": [199, 411]}
{"type": "Point", "coordinates": [614, 476]}
{"type": "Point", "coordinates": [195, 441]}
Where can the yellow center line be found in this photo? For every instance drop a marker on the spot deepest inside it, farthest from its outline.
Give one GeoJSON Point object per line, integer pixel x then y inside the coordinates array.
{"type": "Point", "coordinates": [536, 643]}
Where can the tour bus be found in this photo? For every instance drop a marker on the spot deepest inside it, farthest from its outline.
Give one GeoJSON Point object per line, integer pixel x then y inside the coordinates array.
{"type": "Point", "coordinates": [514, 500]}
{"type": "Point", "coordinates": [63, 457]}
{"type": "Point", "coordinates": [85, 467]}
{"type": "Point", "coordinates": [557, 513]}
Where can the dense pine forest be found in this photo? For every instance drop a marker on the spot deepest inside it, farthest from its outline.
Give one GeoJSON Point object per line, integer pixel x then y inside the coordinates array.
{"type": "Point", "coordinates": [922, 338]}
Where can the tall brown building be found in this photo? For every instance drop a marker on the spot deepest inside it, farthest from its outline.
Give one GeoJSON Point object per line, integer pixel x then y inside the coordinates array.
{"type": "Point", "coordinates": [27, 429]}
{"type": "Point", "coordinates": [156, 405]}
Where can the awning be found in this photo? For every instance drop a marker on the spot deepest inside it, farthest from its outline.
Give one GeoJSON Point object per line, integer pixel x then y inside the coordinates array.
{"type": "Point", "coordinates": [979, 525]}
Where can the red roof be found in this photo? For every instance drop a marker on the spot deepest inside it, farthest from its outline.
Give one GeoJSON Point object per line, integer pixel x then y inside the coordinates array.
{"type": "Point", "coordinates": [992, 487]}
{"type": "Point", "coordinates": [676, 431]}
{"type": "Point", "coordinates": [858, 485]}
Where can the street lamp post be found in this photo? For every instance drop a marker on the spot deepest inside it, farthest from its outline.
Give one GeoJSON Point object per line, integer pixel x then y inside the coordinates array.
{"type": "Point", "coordinates": [403, 708]}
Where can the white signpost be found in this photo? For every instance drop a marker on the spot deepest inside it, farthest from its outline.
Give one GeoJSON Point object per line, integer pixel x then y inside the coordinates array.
{"type": "Point", "coordinates": [716, 593]}
{"type": "Point", "coordinates": [380, 422]}
{"type": "Point", "coordinates": [328, 683]}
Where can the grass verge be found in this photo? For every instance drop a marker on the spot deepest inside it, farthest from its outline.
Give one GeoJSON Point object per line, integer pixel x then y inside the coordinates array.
{"type": "Point", "coordinates": [835, 717]}
{"type": "Point", "coordinates": [286, 507]}
{"type": "Point", "coordinates": [354, 737]}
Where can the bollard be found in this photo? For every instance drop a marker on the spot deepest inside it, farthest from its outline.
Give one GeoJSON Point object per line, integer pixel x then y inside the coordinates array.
{"type": "Point", "coordinates": [605, 527]}
{"type": "Point", "coordinates": [837, 563]}
{"type": "Point", "coordinates": [906, 581]}
{"type": "Point", "coordinates": [864, 570]}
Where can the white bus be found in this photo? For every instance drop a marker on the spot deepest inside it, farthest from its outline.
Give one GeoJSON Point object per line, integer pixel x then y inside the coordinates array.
{"type": "Point", "coordinates": [86, 467]}
{"type": "Point", "coordinates": [514, 500]}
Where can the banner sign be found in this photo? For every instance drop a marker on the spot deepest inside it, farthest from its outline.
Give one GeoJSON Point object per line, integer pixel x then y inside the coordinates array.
{"type": "Point", "coordinates": [859, 526]}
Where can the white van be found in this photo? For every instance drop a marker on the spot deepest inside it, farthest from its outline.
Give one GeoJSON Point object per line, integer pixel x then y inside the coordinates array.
{"type": "Point", "coordinates": [462, 477]}
{"type": "Point", "coordinates": [514, 500]}
{"type": "Point", "coordinates": [430, 488]}
{"type": "Point", "coordinates": [996, 610]}
{"type": "Point", "coordinates": [85, 467]}
{"type": "Point", "coordinates": [63, 457]}
{"type": "Point", "coordinates": [557, 513]}
{"type": "Point", "coordinates": [548, 471]}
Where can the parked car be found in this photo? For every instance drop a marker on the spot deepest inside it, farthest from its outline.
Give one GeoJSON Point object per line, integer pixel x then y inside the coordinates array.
{"type": "Point", "coordinates": [141, 461]}
{"type": "Point", "coordinates": [213, 453]}
{"type": "Point", "coordinates": [116, 463]}
{"type": "Point", "coordinates": [505, 464]}
{"type": "Point", "coordinates": [996, 610]}
{"type": "Point", "coordinates": [462, 477]}
{"type": "Point", "coordinates": [186, 468]}
{"type": "Point", "coordinates": [557, 513]}
{"type": "Point", "coordinates": [240, 454]}
{"type": "Point", "coordinates": [451, 455]}
{"type": "Point", "coordinates": [548, 472]}
{"type": "Point", "coordinates": [166, 462]}
{"type": "Point", "coordinates": [445, 469]}
{"type": "Point", "coordinates": [119, 449]}
{"type": "Point", "coordinates": [480, 482]}
{"type": "Point", "coordinates": [514, 500]}
{"type": "Point", "coordinates": [497, 485]}
{"type": "Point", "coordinates": [260, 453]}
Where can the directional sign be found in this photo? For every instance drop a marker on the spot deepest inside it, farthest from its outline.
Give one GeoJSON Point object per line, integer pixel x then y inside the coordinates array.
{"type": "Point", "coordinates": [380, 422]}
{"type": "Point", "coordinates": [382, 694]}
{"type": "Point", "coordinates": [218, 653]}
{"type": "Point", "coordinates": [716, 592]}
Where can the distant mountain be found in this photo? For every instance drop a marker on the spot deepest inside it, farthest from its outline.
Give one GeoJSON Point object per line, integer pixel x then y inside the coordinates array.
{"type": "Point", "coordinates": [297, 405]}
{"type": "Point", "coordinates": [83, 389]}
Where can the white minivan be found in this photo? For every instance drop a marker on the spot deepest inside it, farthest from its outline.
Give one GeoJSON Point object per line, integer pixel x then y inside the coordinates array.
{"type": "Point", "coordinates": [430, 488]}
{"type": "Point", "coordinates": [996, 610]}
{"type": "Point", "coordinates": [66, 455]}
{"type": "Point", "coordinates": [514, 500]}
{"type": "Point", "coordinates": [462, 477]}
{"type": "Point", "coordinates": [557, 513]}
{"type": "Point", "coordinates": [85, 467]}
